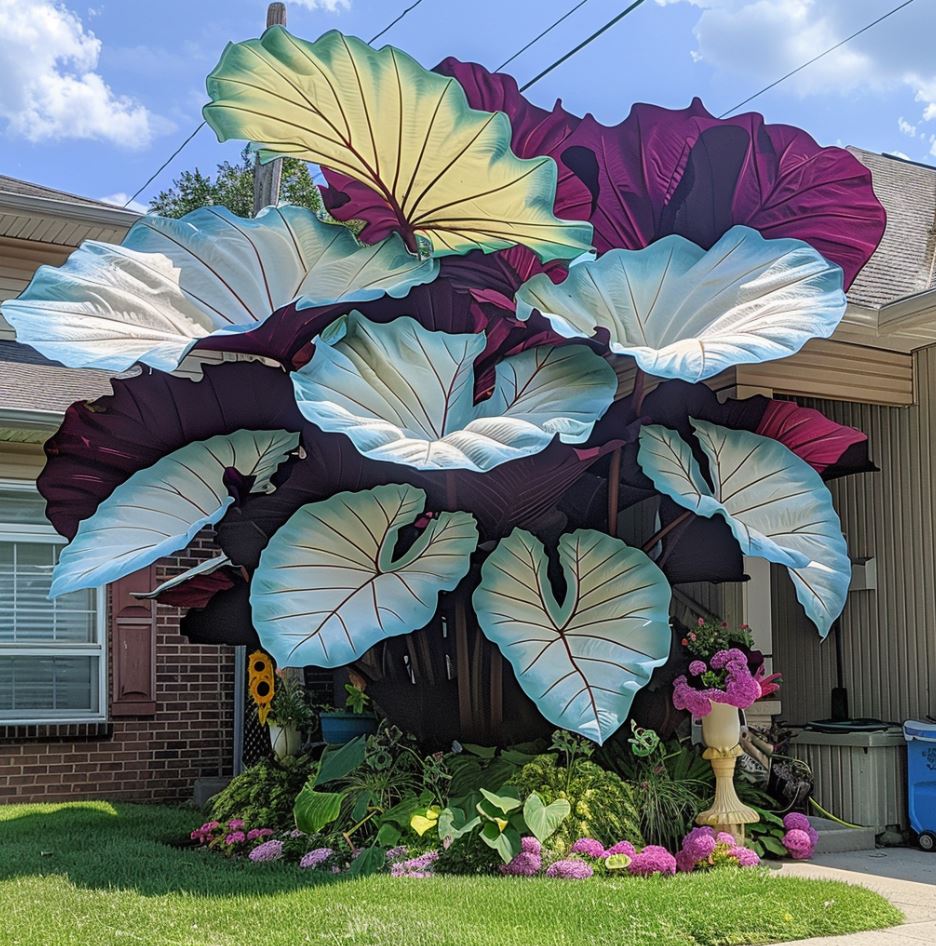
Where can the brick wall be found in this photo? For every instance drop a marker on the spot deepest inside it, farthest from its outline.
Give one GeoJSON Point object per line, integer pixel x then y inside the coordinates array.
{"type": "Point", "coordinates": [154, 758]}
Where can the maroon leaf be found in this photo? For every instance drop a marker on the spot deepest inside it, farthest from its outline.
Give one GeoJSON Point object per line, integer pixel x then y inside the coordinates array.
{"type": "Point", "coordinates": [101, 443]}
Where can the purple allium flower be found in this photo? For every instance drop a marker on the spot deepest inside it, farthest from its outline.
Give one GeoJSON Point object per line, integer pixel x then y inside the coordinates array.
{"type": "Point", "coordinates": [524, 864]}
{"type": "Point", "coordinates": [315, 858]}
{"type": "Point", "coordinates": [235, 837]}
{"type": "Point", "coordinates": [798, 843]}
{"type": "Point", "coordinates": [397, 853]}
{"type": "Point", "coordinates": [570, 869]}
{"type": "Point", "coordinates": [530, 845]}
{"type": "Point", "coordinates": [255, 833]}
{"type": "Point", "coordinates": [686, 697]}
{"type": "Point", "coordinates": [235, 824]}
{"type": "Point", "coordinates": [622, 847]}
{"type": "Point", "coordinates": [744, 856]}
{"type": "Point", "coordinates": [267, 851]}
{"type": "Point", "coordinates": [653, 859]}
{"type": "Point", "coordinates": [589, 847]}
{"type": "Point", "coordinates": [697, 668]}
{"type": "Point", "coordinates": [416, 866]}
{"type": "Point", "coordinates": [296, 833]}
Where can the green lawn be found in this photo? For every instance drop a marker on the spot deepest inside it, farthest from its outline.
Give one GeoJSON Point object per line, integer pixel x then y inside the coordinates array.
{"type": "Point", "coordinates": [96, 874]}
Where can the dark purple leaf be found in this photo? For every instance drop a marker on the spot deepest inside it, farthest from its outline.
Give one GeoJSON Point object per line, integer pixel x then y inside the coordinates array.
{"type": "Point", "coordinates": [225, 619]}
{"type": "Point", "coordinates": [684, 171]}
{"type": "Point", "coordinates": [198, 590]}
{"type": "Point", "coordinates": [101, 443]}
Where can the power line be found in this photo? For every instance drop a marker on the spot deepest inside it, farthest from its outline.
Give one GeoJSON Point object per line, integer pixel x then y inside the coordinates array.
{"type": "Point", "coordinates": [536, 39]}
{"type": "Point", "coordinates": [831, 49]}
{"type": "Point", "coordinates": [395, 21]}
{"type": "Point", "coordinates": [583, 44]}
{"type": "Point", "coordinates": [162, 167]}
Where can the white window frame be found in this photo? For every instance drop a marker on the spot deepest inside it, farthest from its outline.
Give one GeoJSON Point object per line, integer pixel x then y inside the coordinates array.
{"type": "Point", "coordinates": [33, 532]}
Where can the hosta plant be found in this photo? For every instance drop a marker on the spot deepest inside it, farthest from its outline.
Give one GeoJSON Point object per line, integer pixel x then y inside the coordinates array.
{"type": "Point", "coordinates": [427, 421]}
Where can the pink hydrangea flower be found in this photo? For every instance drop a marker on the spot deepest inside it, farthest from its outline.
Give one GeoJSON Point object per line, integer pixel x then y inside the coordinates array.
{"type": "Point", "coordinates": [685, 862]}
{"type": "Point", "coordinates": [744, 856]}
{"type": "Point", "coordinates": [267, 851]}
{"type": "Point", "coordinates": [255, 833]}
{"type": "Point", "coordinates": [235, 824]}
{"type": "Point", "coordinates": [622, 847]}
{"type": "Point", "coordinates": [798, 843]}
{"type": "Point", "coordinates": [589, 847]}
{"type": "Point", "coordinates": [235, 837]}
{"type": "Point", "coordinates": [699, 844]}
{"type": "Point", "coordinates": [524, 864]}
{"type": "Point", "coordinates": [570, 869]}
{"type": "Point", "coordinates": [653, 859]}
{"type": "Point", "coordinates": [315, 858]}
{"type": "Point", "coordinates": [697, 668]}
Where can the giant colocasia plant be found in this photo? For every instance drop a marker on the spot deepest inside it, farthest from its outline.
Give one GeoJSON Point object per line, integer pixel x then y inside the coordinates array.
{"type": "Point", "coordinates": [428, 430]}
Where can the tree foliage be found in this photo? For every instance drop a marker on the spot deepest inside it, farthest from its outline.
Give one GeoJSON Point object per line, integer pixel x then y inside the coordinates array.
{"type": "Point", "coordinates": [232, 187]}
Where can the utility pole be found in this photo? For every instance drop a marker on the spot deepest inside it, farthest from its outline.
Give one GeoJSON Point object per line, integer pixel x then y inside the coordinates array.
{"type": "Point", "coordinates": [266, 187]}
{"type": "Point", "coordinates": [267, 176]}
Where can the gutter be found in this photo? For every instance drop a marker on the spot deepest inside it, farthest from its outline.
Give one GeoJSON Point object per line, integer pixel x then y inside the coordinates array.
{"type": "Point", "coordinates": [73, 211]}
{"type": "Point", "coordinates": [27, 419]}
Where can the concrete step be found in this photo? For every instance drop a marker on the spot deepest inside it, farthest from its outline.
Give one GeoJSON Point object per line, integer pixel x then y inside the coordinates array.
{"type": "Point", "coordinates": [834, 838]}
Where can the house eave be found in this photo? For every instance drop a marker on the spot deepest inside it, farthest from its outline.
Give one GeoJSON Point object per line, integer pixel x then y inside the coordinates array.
{"type": "Point", "coordinates": [72, 210]}
{"type": "Point", "coordinates": [27, 419]}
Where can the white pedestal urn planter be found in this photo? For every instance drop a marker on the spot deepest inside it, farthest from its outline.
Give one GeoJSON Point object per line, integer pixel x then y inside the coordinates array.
{"type": "Point", "coordinates": [721, 733]}
{"type": "Point", "coordinates": [286, 740]}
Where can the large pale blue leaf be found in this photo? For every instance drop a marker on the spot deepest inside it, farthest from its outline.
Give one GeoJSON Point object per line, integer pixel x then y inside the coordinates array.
{"type": "Point", "coordinates": [173, 282]}
{"type": "Point", "coordinates": [328, 586]}
{"type": "Point", "coordinates": [684, 312]}
{"type": "Point", "coordinates": [581, 660]}
{"type": "Point", "coordinates": [160, 509]}
{"type": "Point", "coordinates": [775, 504]}
{"type": "Point", "coordinates": [405, 394]}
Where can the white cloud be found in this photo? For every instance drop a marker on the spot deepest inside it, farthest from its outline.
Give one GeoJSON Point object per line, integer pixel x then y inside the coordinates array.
{"type": "Point", "coordinates": [906, 128]}
{"type": "Point", "coordinates": [332, 6]}
{"type": "Point", "coordinates": [121, 199]}
{"type": "Point", "coordinates": [49, 86]}
{"type": "Point", "coordinates": [764, 39]}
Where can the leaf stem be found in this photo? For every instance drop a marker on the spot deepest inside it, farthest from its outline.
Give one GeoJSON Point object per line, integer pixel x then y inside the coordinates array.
{"type": "Point", "coordinates": [661, 534]}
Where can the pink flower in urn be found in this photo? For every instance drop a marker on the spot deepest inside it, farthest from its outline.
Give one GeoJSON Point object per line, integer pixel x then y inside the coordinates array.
{"type": "Point", "coordinates": [697, 668]}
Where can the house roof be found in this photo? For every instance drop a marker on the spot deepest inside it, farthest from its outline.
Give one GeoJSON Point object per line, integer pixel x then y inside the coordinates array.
{"type": "Point", "coordinates": [32, 383]}
{"type": "Point", "coordinates": [903, 264]}
{"type": "Point", "coordinates": [12, 185]}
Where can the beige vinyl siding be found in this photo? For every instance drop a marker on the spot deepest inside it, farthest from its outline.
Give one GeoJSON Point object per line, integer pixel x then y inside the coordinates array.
{"type": "Point", "coordinates": [19, 259]}
{"type": "Point", "coordinates": [832, 369]}
{"type": "Point", "coordinates": [21, 461]}
{"type": "Point", "coordinates": [888, 635]}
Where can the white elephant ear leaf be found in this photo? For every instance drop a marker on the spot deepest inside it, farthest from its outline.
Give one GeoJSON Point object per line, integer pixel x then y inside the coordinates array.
{"type": "Point", "coordinates": [406, 394]}
{"type": "Point", "coordinates": [328, 586]}
{"type": "Point", "coordinates": [775, 504]}
{"type": "Point", "coordinates": [174, 282]}
{"type": "Point", "coordinates": [160, 509]}
{"type": "Point", "coordinates": [582, 660]}
{"type": "Point", "coordinates": [684, 312]}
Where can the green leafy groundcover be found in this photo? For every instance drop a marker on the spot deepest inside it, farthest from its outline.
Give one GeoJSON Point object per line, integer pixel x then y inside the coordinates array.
{"type": "Point", "coordinates": [83, 873]}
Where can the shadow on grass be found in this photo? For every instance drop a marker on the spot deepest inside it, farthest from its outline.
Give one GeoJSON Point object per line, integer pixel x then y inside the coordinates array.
{"type": "Point", "coordinates": [106, 846]}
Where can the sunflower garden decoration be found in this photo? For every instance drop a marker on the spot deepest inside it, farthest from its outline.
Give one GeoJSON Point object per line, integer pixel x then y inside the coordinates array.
{"type": "Point", "coordinates": [454, 383]}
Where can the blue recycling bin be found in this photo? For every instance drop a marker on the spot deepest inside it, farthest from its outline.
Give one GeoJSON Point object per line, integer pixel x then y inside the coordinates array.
{"type": "Point", "coordinates": [921, 780]}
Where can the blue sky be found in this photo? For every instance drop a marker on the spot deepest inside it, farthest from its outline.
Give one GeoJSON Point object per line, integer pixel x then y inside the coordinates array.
{"type": "Point", "coordinates": [93, 97]}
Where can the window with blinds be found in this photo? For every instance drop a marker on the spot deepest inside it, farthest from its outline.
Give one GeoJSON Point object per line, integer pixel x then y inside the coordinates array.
{"type": "Point", "coordinates": [52, 662]}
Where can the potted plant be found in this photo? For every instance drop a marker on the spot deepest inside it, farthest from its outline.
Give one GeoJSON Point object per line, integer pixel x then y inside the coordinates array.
{"type": "Point", "coordinates": [342, 725]}
{"type": "Point", "coordinates": [720, 682]}
{"type": "Point", "coordinates": [289, 715]}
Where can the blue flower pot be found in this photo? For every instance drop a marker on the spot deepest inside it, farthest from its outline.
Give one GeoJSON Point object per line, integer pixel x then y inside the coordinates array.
{"type": "Point", "coordinates": [339, 728]}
